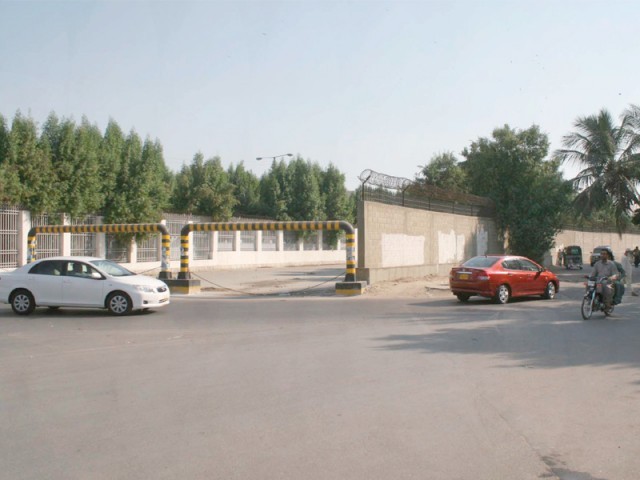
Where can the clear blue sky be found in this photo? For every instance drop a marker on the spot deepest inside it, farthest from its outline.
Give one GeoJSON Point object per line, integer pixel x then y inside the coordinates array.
{"type": "Point", "coordinates": [363, 85]}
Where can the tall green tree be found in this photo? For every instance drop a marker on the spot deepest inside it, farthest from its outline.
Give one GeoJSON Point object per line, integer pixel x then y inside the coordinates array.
{"type": "Point", "coordinates": [59, 136]}
{"type": "Point", "coordinates": [182, 197]}
{"type": "Point", "coordinates": [204, 188]}
{"type": "Point", "coordinates": [9, 183]}
{"type": "Point", "coordinates": [29, 161]}
{"type": "Point", "coordinates": [275, 192]}
{"type": "Point", "coordinates": [246, 189]}
{"type": "Point", "coordinates": [335, 196]}
{"type": "Point", "coordinates": [85, 193]}
{"type": "Point", "coordinates": [443, 171]}
{"type": "Point", "coordinates": [529, 192]}
{"type": "Point", "coordinates": [214, 193]}
{"type": "Point", "coordinates": [149, 183]}
{"type": "Point", "coordinates": [111, 154]}
{"type": "Point", "coordinates": [305, 201]}
{"type": "Point", "coordinates": [75, 151]}
{"type": "Point", "coordinates": [609, 155]}
{"type": "Point", "coordinates": [120, 210]}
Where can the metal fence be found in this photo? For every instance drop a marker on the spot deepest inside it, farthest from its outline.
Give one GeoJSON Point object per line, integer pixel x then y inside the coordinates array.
{"type": "Point", "coordinates": [201, 241]}
{"type": "Point", "coordinates": [84, 244]}
{"type": "Point", "coordinates": [290, 240]}
{"type": "Point", "coordinates": [48, 243]}
{"type": "Point", "coordinates": [9, 217]}
{"type": "Point", "coordinates": [269, 241]}
{"type": "Point", "coordinates": [116, 248]}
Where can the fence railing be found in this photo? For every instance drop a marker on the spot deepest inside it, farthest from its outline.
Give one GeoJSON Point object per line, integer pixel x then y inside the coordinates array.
{"type": "Point", "coordinates": [378, 187]}
{"type": "Point", "coordinates": [126, 248]}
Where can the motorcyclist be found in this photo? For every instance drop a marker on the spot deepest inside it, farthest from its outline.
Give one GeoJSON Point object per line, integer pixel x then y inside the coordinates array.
{"type": "Point", "coordinates": [618, 285]}
{"type": "Point", "coordinates": [606, 268]}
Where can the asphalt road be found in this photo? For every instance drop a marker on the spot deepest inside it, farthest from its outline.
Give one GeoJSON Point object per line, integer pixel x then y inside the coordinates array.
{"type": "Point", "coordinates": [323, 387]}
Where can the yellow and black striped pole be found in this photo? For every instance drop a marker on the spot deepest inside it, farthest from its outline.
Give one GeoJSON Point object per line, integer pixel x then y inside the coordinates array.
{"type": "Point", "coordinates": [107, 228]}
{"type": "Point", "coordinates": [350, 275]}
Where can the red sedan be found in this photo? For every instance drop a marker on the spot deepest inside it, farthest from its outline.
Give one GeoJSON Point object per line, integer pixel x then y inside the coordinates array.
{"type": "Point", "coordinates": [501, 277]}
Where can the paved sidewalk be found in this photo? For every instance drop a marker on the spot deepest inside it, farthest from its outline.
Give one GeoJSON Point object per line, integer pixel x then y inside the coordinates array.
{"type": "Point", "coordinates": [272, 281]}
{"type": "Point", "coordinates": [318, 280]}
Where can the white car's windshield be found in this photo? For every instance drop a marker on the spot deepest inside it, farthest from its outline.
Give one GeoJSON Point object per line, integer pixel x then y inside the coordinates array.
{"type": "Point", "coordinates": [112, 268]}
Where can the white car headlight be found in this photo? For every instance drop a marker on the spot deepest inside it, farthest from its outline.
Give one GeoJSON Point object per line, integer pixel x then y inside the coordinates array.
{"type": "Point", "coordinates": [145, 288]}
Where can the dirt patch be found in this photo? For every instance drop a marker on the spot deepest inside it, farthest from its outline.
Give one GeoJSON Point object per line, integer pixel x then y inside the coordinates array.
{"type": "Point", "coordinates": [428, 286]}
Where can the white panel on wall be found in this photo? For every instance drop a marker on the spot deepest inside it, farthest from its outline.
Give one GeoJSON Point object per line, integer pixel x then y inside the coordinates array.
{"type": "Point", "coordinates": [482, 241]}
{"type": "Point", "coordinates": [450, 247]}
{"type": "Point", "coordinates": [399, 250]}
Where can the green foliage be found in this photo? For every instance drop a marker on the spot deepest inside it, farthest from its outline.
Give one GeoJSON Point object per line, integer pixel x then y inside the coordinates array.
{"type": "Point", "coordinates": [246, 190]}
{"type": "Point", "coordinates": [83, 194]}
{"type": "Point", "coordinates": [29, 162]}
{"type": "Point", "coordinates": [204, 188]}
{"type": "Point", "coordinates": [305, 202]}
{"type": "Point", "coordinates": [610, 159]}
{"type": "Point", "coordinates": [151, 181]}
{"type": "Point", "coordinates": [443, 171]}
{"type": "Point", "coordinates": [111, 150]}
{"type": "Point", "coordinates": [275, 192]}
{"type": "Point", "coordinates": [74, 168]}
{"type": "Point", "coordinates": [335, 196]}
{"type": "Point", "coordinates": [9, 181]}
{"type": "Point", "coordinates": [120, 210]}
{"type": "Point", "coordinates": [529, 192]}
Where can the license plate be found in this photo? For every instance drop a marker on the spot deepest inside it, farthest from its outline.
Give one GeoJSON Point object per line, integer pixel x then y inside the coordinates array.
{"type": "Point", "coordinates": [464, 276]}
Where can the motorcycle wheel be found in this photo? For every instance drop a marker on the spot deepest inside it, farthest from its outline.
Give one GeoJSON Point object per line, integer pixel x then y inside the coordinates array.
{"type": "Point", "coordinates": [608, 311]}
{"type": "Point", "coordinates": [587, 308]}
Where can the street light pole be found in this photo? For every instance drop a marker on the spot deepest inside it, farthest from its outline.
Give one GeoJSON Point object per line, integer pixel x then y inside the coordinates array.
{"type": "Point", "coordinates": [275, 157]}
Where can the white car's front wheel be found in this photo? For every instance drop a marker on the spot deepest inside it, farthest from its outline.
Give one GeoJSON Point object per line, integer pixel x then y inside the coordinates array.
{"type": "Point", "coordinates": [22, 302]}
{"type": "Point", "coordinates": [119, 303]}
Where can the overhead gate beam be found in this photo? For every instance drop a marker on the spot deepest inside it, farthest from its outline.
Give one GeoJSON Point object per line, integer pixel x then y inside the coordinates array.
{"type": "Point", "coordinates": [350, 275]}
{"type": "Point", "coordinates": [165, 272]}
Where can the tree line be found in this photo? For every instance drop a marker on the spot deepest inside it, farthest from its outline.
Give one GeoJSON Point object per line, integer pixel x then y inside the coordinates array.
{"type": "Point", "coordinates": [75, 168]}
{"type": "Point", "coordinates": [533, 201]}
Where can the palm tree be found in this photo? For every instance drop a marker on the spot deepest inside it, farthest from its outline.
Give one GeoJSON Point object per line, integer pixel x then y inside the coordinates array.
{"type": "Point", "coordinates": [610, 157]}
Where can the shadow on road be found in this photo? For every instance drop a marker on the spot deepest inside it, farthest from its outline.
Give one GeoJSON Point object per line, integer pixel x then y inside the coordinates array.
{"type": "Point", "coordinates": [535, 333]}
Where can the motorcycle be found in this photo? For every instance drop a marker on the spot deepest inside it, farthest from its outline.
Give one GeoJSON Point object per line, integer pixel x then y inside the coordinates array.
{"type": "Point", "coordinates": [593, 300]}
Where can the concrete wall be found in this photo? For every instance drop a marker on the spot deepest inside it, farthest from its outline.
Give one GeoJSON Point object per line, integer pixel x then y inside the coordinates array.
{"type": "Point", "coordinates": [398, 242]}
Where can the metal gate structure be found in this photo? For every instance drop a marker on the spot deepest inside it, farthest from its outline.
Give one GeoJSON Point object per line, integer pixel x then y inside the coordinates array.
{"type": "Point", "coordinates": [165, 271]}
{"type": "Point", "coordinates": [350, 275]}
{"type": "Point", "coordinates": [9, 237]}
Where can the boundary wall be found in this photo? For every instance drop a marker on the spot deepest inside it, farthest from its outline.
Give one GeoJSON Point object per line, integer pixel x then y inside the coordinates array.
{"type": "Point", "coordinates": [398, 242]}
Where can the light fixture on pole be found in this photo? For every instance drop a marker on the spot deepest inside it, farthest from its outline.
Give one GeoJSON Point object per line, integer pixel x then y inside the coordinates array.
{"type": "Point", "coordinates": [275, 157]}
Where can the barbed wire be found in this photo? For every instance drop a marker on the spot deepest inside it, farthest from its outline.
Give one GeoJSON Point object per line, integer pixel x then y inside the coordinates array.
{"type": "Point", "coordinates": [386, 181]}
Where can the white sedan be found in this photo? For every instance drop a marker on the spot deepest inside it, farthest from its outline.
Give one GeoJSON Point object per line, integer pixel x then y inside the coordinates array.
{"type": "Point", "coordinates": [84, 282]}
